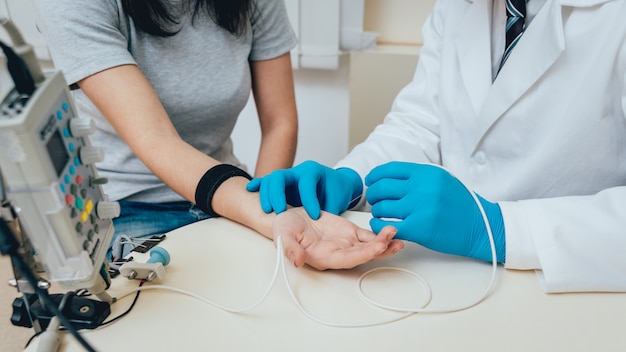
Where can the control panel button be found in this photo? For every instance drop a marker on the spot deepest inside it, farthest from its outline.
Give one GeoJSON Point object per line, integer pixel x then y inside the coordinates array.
{"type": "Point", "coordinates": [107, 210]}
{"type": "Point", "coordinates": [81, 126]}
{"type": "Point", "coordinates": [90, 155]}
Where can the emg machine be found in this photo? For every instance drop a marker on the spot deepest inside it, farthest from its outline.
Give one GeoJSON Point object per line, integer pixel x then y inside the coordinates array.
{"type": "Point", "coordinates": [52, 201]}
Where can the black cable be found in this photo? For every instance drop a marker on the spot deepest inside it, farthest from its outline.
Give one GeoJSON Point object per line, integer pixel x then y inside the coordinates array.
{"type": "Point", "coordinates": [129, 308]}
{"type": "Point", "coordinates": [22, 78]}
{"type": "Point", "coordinates": [64, 300]}
{"type": "Point", "coordinates": [25, 271]}
{"type": "Point", "coordinates": [8, 243]}
{"type": "Point", "coordinates": [32, 338]}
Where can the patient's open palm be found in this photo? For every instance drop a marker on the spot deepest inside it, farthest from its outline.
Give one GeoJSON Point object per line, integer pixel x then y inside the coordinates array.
{"type": "Point", "coordinates": [331, 242]}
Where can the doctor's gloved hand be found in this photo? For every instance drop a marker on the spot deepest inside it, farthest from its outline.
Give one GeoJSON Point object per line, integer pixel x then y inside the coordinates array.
{"type": "Point", "coordinates": [309, 184]}
{"type": "Point", "coordinates": [431, 207]}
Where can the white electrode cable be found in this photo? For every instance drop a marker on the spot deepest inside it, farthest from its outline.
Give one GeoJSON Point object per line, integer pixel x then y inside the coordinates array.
{"type": "Point", "coordinates": [208, 301]}
{"type": "Point", "coordinates": [494, 270]}
{"type": "Point", "coordinates": [406, 311]}
{"type": "Point", "coordinates": [298, 304]}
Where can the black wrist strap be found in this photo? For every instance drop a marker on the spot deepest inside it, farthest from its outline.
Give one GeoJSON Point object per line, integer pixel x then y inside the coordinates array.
{"type": "Point", "coordinates": [210, 182]}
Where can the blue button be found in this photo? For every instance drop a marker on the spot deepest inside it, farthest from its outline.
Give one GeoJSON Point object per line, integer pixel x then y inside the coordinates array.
{"type": "Point", "coordinates": [72, 170]}
{"type": "Point", "coordinates": [59, 115]}
{"type": "Point", "coordinates": [62, 186]}
{"type": "Point", "coordinates": [72, 147]}
{"type": "Point", "coordinates": [66, 133]}
{"type": "Point", "coordinates": [65, 106]}
{"type": "Point", "coordinates": [76, 161]}
{"type": "Point", "coordinates": [67, 179]}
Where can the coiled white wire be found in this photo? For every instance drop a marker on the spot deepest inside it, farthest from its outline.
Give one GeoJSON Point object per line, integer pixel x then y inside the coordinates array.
{"type": "Point", "coordinates": [406, 312]}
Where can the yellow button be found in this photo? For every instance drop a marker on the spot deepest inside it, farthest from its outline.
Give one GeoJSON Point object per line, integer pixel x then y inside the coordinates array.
{"type": "Point", "coordinates": [89, 206]}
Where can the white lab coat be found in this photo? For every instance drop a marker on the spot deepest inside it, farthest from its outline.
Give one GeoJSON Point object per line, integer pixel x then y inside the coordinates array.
{"type": "Point", "coordinates": [546, 139]}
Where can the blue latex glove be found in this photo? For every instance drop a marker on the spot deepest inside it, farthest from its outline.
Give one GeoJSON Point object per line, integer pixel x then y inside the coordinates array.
{"type": "Point", "coordinates": [309, 184]}
{"type": "Point", "coordinates": [431, 207]}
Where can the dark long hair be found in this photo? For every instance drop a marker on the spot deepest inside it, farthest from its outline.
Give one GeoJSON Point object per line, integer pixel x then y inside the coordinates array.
{"type": "Point", "coordinates": [156, 17]}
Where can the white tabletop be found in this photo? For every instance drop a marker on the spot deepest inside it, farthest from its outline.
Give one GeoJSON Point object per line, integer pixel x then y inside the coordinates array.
{"type": "Point", "coordinates": [233, 266]}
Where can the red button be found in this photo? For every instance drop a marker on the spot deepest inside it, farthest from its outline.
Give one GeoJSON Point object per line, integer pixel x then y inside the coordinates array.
{"type": "Point", "coordinates": [79, 179]}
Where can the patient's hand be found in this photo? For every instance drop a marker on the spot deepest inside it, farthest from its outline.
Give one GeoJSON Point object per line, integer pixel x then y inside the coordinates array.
{"type": "Point", "coordinates": [331, 242]}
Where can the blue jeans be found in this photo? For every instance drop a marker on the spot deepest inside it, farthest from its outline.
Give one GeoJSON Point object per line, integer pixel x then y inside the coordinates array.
{"type": "Point", "coordinates": [139, 220]}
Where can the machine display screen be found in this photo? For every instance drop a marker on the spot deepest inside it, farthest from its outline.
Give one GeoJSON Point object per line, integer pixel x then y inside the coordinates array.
{"type": "Point", "coordinates": [57, 151]}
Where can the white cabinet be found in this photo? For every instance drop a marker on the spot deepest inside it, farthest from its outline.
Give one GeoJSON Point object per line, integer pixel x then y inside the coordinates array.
{"type": "Point", "coordinates": [326, 29]}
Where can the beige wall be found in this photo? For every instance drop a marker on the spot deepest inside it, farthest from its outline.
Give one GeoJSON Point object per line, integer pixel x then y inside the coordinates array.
{"type": "Point", "coordinates": [397, 21]}
{"type": "Point", "coordinates": [376, 76]}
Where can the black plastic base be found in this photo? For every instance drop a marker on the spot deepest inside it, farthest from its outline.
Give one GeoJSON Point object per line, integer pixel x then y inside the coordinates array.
{"type": "Point", "coordinates": [83, 313]}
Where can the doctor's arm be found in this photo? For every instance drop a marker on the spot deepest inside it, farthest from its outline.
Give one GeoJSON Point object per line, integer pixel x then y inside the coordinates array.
{"type": "Point", "coordinates": [272, 86]}
{"type": "Point", "coordinates": [578, 243]}
{"type": "Point", "coordinates": [131, 106]}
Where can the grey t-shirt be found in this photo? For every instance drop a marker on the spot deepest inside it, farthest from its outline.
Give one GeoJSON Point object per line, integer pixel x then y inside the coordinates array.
{"type": "Point", "coordinates": [201, 75]}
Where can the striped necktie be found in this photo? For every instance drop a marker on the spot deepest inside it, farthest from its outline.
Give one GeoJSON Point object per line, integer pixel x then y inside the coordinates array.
{"type": "Point", "coordinates": [515, 25]}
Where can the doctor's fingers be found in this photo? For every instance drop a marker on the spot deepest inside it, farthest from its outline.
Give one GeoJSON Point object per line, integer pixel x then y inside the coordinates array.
{"type": "Point", "coordinates": [379, 225]}
{"type": "Point", "coordinates": [395, 169]}
{"type": "Point", "coordinates": [254, 185]}
{"type": "Point", "coordinates": [387, 188]}
{"type": "Point", "coordinates": [335, 201]}
{"type": "Point", "coordinates": [307, 187]}
{"type": "Point", "coordinates": [272, 192]}
{"type": "Point", "coordinates": [394, 209]}
{"type": "Point", "coordinates": [264, 195]}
